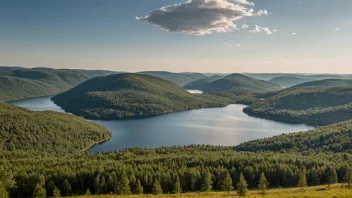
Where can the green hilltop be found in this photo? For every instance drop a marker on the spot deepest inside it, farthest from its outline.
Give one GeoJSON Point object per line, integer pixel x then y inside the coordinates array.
{"type": "Point", "coordinates": [123, 96]}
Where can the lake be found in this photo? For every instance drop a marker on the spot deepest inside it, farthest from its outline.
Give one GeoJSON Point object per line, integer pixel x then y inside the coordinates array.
{"type": "Point", "coordinates": [215, 126]}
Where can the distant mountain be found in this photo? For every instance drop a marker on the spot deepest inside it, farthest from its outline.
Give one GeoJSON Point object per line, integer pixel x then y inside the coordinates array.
{"type": "Point", "coordinates": [122, 96]}
{"type": "Point", "coordinates": [203, 81]}
{"type": "Point", "coordinates": [180, 79]}
{"type": "Point", "coordinates": [234, 81]}
{"type": "Point", "coordinates": [288, 81]}
{"type": "Point", "coordinates": [25, 132]}
{"type": "Point", "coordinates": [325, 83]}
{"type": "Point", "coordinates": [21, 84]}
{"type": "Point", "coordinates": [311, 105]}
{"type": "Point", "coordinates": [269, 76]}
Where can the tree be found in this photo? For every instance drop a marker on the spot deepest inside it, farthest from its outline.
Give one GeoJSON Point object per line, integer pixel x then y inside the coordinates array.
{"type": "Point", "coordinates": [56, 192]}
{"type": "Point", "coordinates": [50, 188]}
{"type": "Point", "coordinates": [242, 186]}
{"type": "Point", "coordinates": [123, 187]}
{"type": "Point", "coordinates": [177, 186]}
{"type": "Point", "coordinates": [227, 183]}
{"type": "Point", "coordinates": [66, 187]}
{"type": "Point", "coordinates": [87, 193]}
{"type": "Point", "coordinates": [6, 179]}
{"type": "Point", "coordinates": [263, 183]}
{"type": "Point", "coordinates": [348, 177]}
{"type": "Point", "coordinates": [3, 192]}
{"type": "Point", "coordinates": [39, 191]}
{"type": "Point", "coordinates": [138, 189]}
{"type": "Point", "coordinates": [157, 188]}
{"type": "Point", "coordinates": [302, 179]}
{"type": "Point", "coordinates": [332, 176]}
{"type": "Point", "coordinates": [207, 182]}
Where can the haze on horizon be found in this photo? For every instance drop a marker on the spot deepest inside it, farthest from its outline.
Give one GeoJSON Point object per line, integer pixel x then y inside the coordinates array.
{"type": "Point", "coordinates": [220, 36]}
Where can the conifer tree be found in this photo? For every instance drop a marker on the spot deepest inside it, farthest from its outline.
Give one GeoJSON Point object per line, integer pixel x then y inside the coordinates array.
{"type": "Point", "coordinates": [263, 183]}
{"type": "Point", "coordinates": [39, 191]}
{"type": "Point", "coordinates": [242, 186]}
{"type": "Point", "coordinates": [56, 192]}
{"type": "Point", "coordinates": [87, 193]}
{"type": "Point", "coordinates": [177, 186]}
{"type": "Point", "coordinates": [157, 188]}
{"type": "Point", "coordinates": [302, 179]}
{"type": "Point", "coordinates": [227, 183]}
{"type": "Point", "coordinates": [207, 182]}
{"type": "Point", "coordinates": [348, 177]}
{"type": "Point", "coordinates": [123, 187]}
{"type": "Point", "coordinates": [138, 189]}
{"type": "Point", "coordinates": [66, 187]}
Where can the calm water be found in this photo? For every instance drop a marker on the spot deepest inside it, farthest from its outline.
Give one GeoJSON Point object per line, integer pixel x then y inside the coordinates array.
{"type": "Point", "coordinates": [217, 126]}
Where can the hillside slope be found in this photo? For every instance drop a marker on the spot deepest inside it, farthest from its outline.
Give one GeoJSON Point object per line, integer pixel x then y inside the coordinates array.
{"type": "Point", "coordinates": [325, 83]}
{"type": "Point", "coordinates": [195, 85]}
{"type": "Point", "coordinates": [288, 81]}
{"type": "Point", "coordinates": [311, 105]}
{"type": "Point", "coordinates": [28, 83]}
{"type": "Point", "coordinates": [180, 79]}
{"type": "Point", "coordinates": [48, 132]}
{"type": "Point", "coordinates": [235, 81]}
{"type": "Point", "coordinates": [130, 95]}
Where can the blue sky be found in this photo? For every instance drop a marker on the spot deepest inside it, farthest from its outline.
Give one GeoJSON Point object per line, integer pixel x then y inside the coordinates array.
{"type": "Point", "coordinates": [105, 34]}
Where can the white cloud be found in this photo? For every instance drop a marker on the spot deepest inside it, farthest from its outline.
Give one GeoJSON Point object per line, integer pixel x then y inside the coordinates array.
{"type": "Point", "coordinates": [258, 29]}
{"type": "Point", "coordinates": [200, 17]}
{"type": "Point", "coordinates": [244, 2]}
{"type": "Point", "coordinates": [227, 45]}
{"type": "Point", "coordinates": [244, 26]}
{"type": "Point", "coordinates": [294, 33]}
{"type": "Point", "coordinates": [337, 29]}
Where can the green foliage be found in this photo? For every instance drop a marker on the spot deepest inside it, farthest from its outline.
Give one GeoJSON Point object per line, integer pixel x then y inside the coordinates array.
{"type": "Point", "coordinates": [39, 191]}
{"type": "Point", "coordinates": [138, 190]}
{"type": "Point", "coordinates": [87, 193]}
{"type": "Point", "coordinates": [177, 186]}
{"type": "Point", "coordinates": [207, 184]}
{"type": "Point", "coordinates": [332, 138]}
{"type": "Point", "coordinates": [233, 81]}
{"type": "Point", "coordinates": [66, 188]}
{"type": "Point", "coordinates": [131, 95]}
{"type": "Point", "coordinates": [348, 177]}
{"type": "Point", "coordinates": [25, 83]}
{"type": "Point", "coordinates": [56, 192]}
{"type": "Point", "coordinates": [240, 96]}
{"type": "Point", "coordinates": [47, 132]}
{"type": "Point", "coordinates": [227, 183]}
{"type": "Point", "coordinates": [157, 188]}
{"type": "Point", "coordinates": [288, 81]}
{"type": "Point", "coordinates": [180, 79]}
{"type": "Point", "coordinates": [311, 105]}
{"type": "Point", "coordinates": [3, 192]}
{"type": "Point", "coordinates": [263, 183]}
{"type": "Point", "coordinates": [326, 83]}
{"type": "Point", "coordinates": [242, 186]}
{"type": "Point", "coordinates": [302, 178]}
{"type": "Point", "coordinates": [123, 187]}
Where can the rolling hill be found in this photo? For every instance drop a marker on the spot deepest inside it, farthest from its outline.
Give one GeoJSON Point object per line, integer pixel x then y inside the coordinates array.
{"type": "Point", "coordinates": [123, 96]}
{"type": "Point", "coordinates": [203, 81]}
{"type": "Point", "coordinates": [28, 83]}
{"type": "Point", "coordinates": [288, 81]}
{"type": "Point", "coordinates": [311, 105]}
{"type": "Point", "coordinates": [234, 81]}
{"type": "Point", "coordinates": [180, 79]}
{"type": "Point", "coordinates": [325, 83]}
{"type": "Point", "coordinates": [24, 131]}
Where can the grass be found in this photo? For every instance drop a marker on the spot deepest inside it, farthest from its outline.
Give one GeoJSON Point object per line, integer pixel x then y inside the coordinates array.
{"type": "Point", "coordinates": [335, 191]}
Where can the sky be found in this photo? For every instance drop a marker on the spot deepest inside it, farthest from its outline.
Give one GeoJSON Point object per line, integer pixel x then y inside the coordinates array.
{"type": "Point", "coordinates": [222, 36]}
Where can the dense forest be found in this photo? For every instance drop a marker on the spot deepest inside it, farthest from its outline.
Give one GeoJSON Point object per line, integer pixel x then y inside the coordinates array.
{"type": "Point", "coordinates": [29, 83]}
{"type": "Point", "coordinates": [24, 132]}
{"type": "Point", "coordinates": [326, 83]}
{"type": "Point", "coordinates": [311, 105]}
{"type": "Point", "coordinates": [180, 79]}
{"type": "Point", "coordinates": [131, 95]}
{"type": "Point", "coordinates": [233, 81]}
{"type": "Point", "coordinates": [288, 81]}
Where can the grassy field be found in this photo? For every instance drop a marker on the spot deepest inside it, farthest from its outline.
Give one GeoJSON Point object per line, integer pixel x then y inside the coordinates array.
{"type": "Point", "coordinates": [335, 191]}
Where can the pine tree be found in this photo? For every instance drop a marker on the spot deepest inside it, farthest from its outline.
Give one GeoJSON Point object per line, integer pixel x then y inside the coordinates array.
{"type": "Point", "coordinates": [39, 191]}
{"type": "Point", "coordinates": [66, 187]}
{"type": "Point", "coordinates": [123, 187]}
{"type": "Point", "coordinates": [302, 180]}
{"type": "Point", "coordinates": [138, 189]}
{"type": "Point", "coordinates": [87, 193]}
{"type": "Point", "coordinates": [157, 188]}
{"type": "Point", "coordinates": [332, 176]}
{"type": "Point", "coordinates": [263, 183]}
{"type": "Point", "coordinates": [50, 188]}
{"type": "Point", "coordinates": [3, 192]}
{"type": "Point", "coordinates": [227, 183]}
{"type": "Point", "coordinates": [56, 192]}
{"type": "Point", "coordinates": [207, 182]}
{"type": "Point", "coordinates": [348, 177]}
{"type": "Point", "coordinates": [242, 186]}
{"type": "Point", "coordinates": [177, 186]}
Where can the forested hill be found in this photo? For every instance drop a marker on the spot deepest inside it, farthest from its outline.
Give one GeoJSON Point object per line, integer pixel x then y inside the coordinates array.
{"type": "Point", "coordinates": [288, 81]}
{"type": "Point", "coordinates": [311, 105]}
{"type": "Point", "coordinates": [326, 83]}
{"type": "Point", "coordinates": [21, 84]}
{"type": "Point", "coordinates": [24, 132]}
{"type": "Point", "coordinates": [234, 81]}
{"type": "Point", "coordinates": [332, 138]}
{"type": "Point", "coordinates": [180, 79]}
{"type": "Point", "coordinates": [129, 96]}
